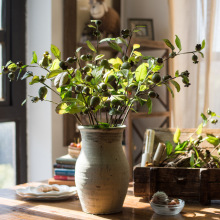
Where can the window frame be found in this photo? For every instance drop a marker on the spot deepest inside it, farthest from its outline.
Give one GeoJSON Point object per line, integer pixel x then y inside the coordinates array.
{"type": "Point", "coordinates": [13, 38]}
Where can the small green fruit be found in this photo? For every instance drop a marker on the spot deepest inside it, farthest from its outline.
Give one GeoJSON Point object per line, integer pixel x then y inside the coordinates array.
{"type": "Point", "coordinates": [70, 60]}
{"type": "Point", "coordinates": [152, 94]}
{"type": "Point", "coordinates": [105, 64]}
{"type": "Point", "coordinates": [95, 100]}
{"type": "Point", "coordinates": [103, 86]}
{"type": "Point", "coordinates": [86, 90]}
{"type": "Point", "coordinates": [44, 62]}
{"type": "Point", "coordinates": [5, 70]}
{"type": "Point", "coordinates": [88, 78]}
{"type": "Point", "coordinates": [198, 47]}
{"type": "Point", "coordinates": [42, 92]}
{"type": "Point", "coordinates": [160, 60]}
{"type": "Point", "coordinates": [156, 78]}
{"type": "Point", "coordinates": [111, 78]}
{"type": "Point", "coordinates": [89, 57]}
{"type": "Point", "coordinates": [126, 65]}
{"type": "Point", "coordinates": [63, 65]}
{"type": "Point", "coordinates": [209, 112]}
{"type": "Point", "coordinates": [19, 64]}
{"type": "Point", "coordinates": [86, 69]}
{"type": "Point", "coordinates": [195, 58]}
{"type": "Point", "coordinates": [11, 76]}
{"type": "Point", "coordinates": [83, 57]}
{"type": "Point", "coordinates": [35, 99]}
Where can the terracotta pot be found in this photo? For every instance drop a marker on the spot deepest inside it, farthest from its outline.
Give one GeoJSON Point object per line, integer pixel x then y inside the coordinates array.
{"type": "Point", "coordinates": [102, 172]}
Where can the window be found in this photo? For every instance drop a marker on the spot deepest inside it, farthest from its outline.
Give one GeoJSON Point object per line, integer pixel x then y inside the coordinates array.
{"type": "Point", "coordinates": [13, 169]}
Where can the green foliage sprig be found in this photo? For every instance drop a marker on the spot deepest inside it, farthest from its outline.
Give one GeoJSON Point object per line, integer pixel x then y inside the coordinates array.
{"type": "Point", "coordinates": [192, 146]}
{"type": "Point", "coordinates": [98, 85]}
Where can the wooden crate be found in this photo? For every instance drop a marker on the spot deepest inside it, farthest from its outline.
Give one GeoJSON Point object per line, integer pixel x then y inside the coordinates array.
{"type": "Point", "coordinates": [189, 184]}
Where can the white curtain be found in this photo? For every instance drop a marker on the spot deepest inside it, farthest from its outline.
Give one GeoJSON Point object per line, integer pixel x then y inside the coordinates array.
{"type": "Point", "coordinates": [193, 21]}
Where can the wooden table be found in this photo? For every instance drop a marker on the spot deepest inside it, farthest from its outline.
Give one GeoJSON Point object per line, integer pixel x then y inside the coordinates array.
{"type": "Point", "coordinates": [12, 207]}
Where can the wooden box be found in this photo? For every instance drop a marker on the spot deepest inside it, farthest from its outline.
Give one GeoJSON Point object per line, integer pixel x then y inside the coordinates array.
{"type": "Point", "coordinates": [189, 184]}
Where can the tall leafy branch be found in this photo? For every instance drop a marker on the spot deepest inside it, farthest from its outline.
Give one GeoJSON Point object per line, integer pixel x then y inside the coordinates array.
{"type": "Point", "coordinates": [103, 90]}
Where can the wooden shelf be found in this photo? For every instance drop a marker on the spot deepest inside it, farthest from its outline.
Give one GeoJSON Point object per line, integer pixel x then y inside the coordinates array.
{"type": "Point", "coordinates": [146, 115]}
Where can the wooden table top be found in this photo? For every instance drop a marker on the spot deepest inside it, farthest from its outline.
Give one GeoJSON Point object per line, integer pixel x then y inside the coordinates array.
{"type": "Point", "coordinates": [12, 207]}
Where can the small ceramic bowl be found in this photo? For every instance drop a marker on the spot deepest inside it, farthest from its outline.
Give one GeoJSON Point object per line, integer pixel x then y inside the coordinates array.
{"type": "Point", "coordinates": [168, 209]}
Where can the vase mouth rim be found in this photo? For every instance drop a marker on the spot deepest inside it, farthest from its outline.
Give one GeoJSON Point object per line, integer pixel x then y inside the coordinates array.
{"type": "Point", "coordinates": [82, 127]}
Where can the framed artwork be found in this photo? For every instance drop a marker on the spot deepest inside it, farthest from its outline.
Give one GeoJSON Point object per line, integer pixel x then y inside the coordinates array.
{"type": "Point", "coordinates": [147, 32]}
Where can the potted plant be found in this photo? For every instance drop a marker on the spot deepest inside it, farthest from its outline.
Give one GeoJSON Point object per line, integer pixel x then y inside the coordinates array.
{"type": "Point", "coordinates": [101, 86]}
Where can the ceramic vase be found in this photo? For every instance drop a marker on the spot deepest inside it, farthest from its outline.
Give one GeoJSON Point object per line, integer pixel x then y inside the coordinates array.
{"type": "Point", "coordinates": [102, 171]}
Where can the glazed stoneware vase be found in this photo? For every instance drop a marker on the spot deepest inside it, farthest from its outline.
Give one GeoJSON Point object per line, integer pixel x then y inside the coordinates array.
{"type": "Point", "coordinates": [102, 172]}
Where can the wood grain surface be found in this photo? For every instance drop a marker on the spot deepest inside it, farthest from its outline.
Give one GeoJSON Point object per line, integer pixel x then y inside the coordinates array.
{"type": "Point", "coordinates": [12, 207]}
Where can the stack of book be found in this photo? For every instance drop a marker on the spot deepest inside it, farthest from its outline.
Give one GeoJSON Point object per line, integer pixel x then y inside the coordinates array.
{"type": "Point", "coordinates": [64, 170]}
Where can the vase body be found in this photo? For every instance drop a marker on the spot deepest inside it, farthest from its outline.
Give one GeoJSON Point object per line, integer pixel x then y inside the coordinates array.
{"type": "Point", "coordinates": [102, 172]}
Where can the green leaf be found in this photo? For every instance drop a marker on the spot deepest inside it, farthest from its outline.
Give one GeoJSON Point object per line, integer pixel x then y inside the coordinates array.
{"type": "Point", "coordinates": [177, 73]}
{"type": "Point", "coordinates": [204, 119]}
{"type": "Point", "coordinates": [176, 84]}
{"type": "Point", "coordinates": [178, 43]}
{"type": "Point", "coordinates": [149, 105]}
{"type": "Point", "coordinates": [56, 52]}
{"type": "Point", "coordinates": [106, 39]}
{"type": "Point", "coordinates": [156, 68]}
{"type": "Point", "coordinates": [114, 111]}
{"type": "Point", "coordinates": [120, 40]}
{"type": "Point", "coordinates": [78, 76]}
{"type": "Point", "coordinates": [192, 162]}
{"type": "Point", "coordinates": [169, 44]}
{"type": "Point", "coordinates": [78, 49]}
{"type": "Point", "coordinates": [27, 74]}
{"type": "Point", "coordinates": [34, 57]}
{"type": "Point", "coordinates": [55, 65]}
{"type": "Point", "coordinates": [54, 73]}
{"type": "Point", "coordinates": [114, 46]}
{"type": "Point", "coordinates": [73, 108]}
{"type": "Point", "coordinates": [23, 102]}
{"type": "Point", "coordinates": [11, 66]}
{"type": "Point", "coordinates": [136, 46]}
{"type": "Point", "coordinates": [8, 63]}
{"type": "Point", "coordinates": [169, 148]}
{"type": "Point", "coordinates": [176, 136]}
{"type": "Point", "coordinates": [141, 72]}
{"type": "Point", "coordinates": [91, 26]}
{"type": "Point", "coordinates": [213, 140]}
{"type": "Point", "coordinates": [97, 74]}
{"type": "Point", "coordinates": [202, 55]}
{"type": "Point", "coordinates": [35, 79]}
{"type": "Point", "coordinates": [213, 114]}
{"type": "Point", "coordinates": [98, 57]}
{"type": "Point", "coordinates": [203, 44]}
{"type": "Point", "coordinates": [169, 89]}
{"type": "Point", "coordinates": [199, 129]}
{"type": "Point", "coordinates": [20, 71]}
{"type": "Point", "coordinates": [182, 146]}
{"type": "Point", "coordinates": [197, 154]}
{"type": "Point", "coordinates": [90, 45]}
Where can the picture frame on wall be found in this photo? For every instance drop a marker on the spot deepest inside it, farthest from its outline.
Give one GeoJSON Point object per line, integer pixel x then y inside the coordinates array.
{"type": "Point", "coordinates": [146, 32]}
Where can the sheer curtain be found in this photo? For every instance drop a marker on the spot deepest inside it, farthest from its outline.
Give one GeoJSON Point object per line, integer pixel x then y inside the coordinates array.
{"type": "Point", "coordinates": [194, 21]}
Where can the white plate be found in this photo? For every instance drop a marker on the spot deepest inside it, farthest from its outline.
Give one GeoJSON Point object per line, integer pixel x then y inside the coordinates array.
{"type": "Point", "coordinates": [48, 197]}
{"type": "Point", "coordinates": [33, 192]}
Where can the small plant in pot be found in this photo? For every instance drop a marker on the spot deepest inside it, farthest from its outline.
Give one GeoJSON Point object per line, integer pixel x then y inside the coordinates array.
{"type": "Point", "coordinates": [102, 86]}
